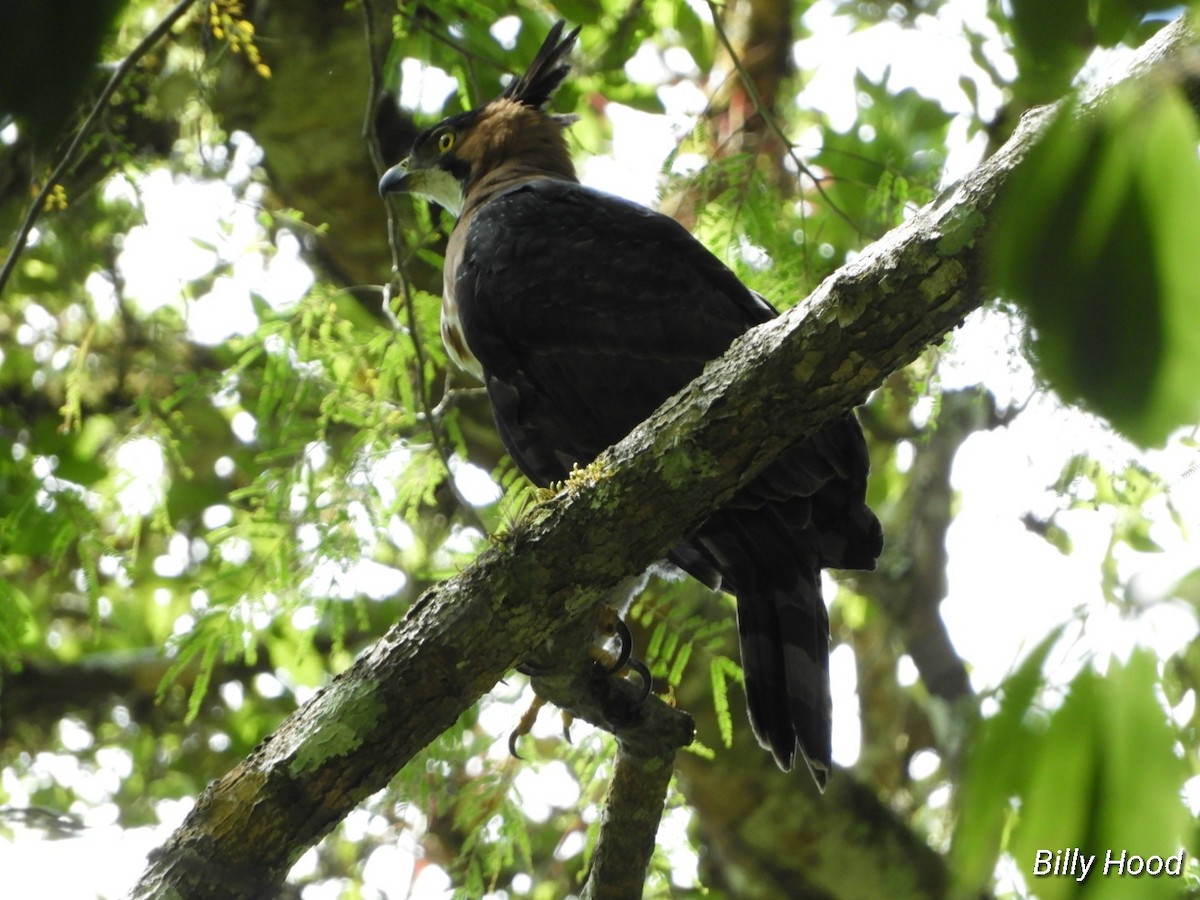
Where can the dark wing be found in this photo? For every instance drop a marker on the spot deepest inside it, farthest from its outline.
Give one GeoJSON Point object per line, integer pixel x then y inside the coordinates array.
{"type": "Point", "coordinates": [586, 312]}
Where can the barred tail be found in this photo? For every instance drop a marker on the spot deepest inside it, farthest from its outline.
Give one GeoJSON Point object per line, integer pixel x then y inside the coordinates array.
{"type": "Point", "coordinates": [785, 659]}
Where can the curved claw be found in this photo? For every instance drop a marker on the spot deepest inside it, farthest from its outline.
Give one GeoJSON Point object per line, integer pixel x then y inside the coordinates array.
{"type": "Point", "coordinates": [624, 647]}
{"type": "Point", "coordinates": [636, 665]}
{"type": "Point", "coordinates": [512, 744]}
{"type": "Point", "coordinates": [524, 726]}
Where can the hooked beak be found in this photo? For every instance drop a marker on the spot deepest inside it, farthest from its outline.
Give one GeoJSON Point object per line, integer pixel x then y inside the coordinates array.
{"type": "Point", "coordinates": [395, 180]}
{"type": "Point", "coordinates": [432, 183]}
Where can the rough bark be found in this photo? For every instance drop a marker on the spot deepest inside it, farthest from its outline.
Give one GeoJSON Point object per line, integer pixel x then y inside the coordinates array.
{"type": "Point", "coordinates": [772, 388]}
{"type": "Point", "coordinates": [632, 812]}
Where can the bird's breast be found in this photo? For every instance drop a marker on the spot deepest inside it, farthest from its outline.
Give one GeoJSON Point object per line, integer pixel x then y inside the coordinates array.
{"type": "Point", "coordinates": [453, 337]}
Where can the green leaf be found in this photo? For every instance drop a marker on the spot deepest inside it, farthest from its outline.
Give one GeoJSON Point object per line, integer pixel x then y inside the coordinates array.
{"type": "Point", "coordinates": [1138, 803]}
{"type": "Point", "coordinates": [1188, 588]}
{"type": "Point", "coordinates": [203, 677]}
{"type": "Point", "coordinates": [679, 664]}
{"type": "Point", "coordinates": [1113, 19]}
{"type": "Point", "coordinates": [1104, 778]}
{"type": "Point", "coordinates": [580, 12]}
{"type": "Point", "coordinates": [1093, 238]}
{"type": "Point", "coordinates": [720, 671]}
{"type": "Point", "coordinates": [654, 648]}
{"type": "Point", "coordinates": [1057, 800]}
{"type": "Point", "coordinates": [997, 764]}
{"type": "Point", "coordinates": [1169, 179]}
{"type": "Point", "coordinates": [1050, 43]}
{"type": "Point", "coordinates": [15, 616]}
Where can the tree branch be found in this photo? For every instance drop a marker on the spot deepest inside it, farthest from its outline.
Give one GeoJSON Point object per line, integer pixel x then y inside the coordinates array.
{"type": "Point", "coordinates": [761, 842]}
{"type": "Point", "coordinates": [632, 811]}
{"type": "Point", "coordinates": [916, 579]}
{"type": "Point", "coordinates": [649, 732]}
{"type": "Point", "coordinates": [775, 385]}
{"type": "Point", "coordinates": [39, 694]}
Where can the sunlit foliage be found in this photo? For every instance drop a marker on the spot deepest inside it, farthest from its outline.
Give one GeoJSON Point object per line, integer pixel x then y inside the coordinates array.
{"type": "Point", "coordinates": [233, 450]}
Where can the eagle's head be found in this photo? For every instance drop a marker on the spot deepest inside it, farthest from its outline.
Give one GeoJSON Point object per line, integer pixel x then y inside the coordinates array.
{"type": "Point", "coordinates": [513, 131]}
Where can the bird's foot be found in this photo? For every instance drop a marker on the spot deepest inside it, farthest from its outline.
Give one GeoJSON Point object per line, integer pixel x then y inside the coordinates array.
{"type": "Point", "coordinates": [525, 725]}
{"type": "Point", "coordinates": [611, 627]}
{"type": "Point", "coordinates": [610, 649]}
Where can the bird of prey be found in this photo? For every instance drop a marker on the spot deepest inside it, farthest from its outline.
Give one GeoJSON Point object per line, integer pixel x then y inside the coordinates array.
{"type": "Point", "coordinates": [582, 312]}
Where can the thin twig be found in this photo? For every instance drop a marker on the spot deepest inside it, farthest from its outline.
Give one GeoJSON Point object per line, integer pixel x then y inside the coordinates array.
{"type": "Point", "coordinates": [39, 202]}
{"type": "Point", "coordinates": [438, 33]}
{"type": "Point", "coordinates": [772, 123]}
{"type": "Point", "coordinates": [394, 241]}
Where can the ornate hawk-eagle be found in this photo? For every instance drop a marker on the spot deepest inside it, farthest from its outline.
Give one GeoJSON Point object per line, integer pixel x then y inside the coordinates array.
{"type": "Point", "coordinates": [582, 312]}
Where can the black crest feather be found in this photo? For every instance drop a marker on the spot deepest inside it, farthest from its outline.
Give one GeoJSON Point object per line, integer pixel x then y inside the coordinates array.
{"type": "Point", "coordinates": [547, 70]}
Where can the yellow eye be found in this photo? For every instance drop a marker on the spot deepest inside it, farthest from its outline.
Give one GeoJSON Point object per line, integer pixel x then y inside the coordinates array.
{"type": "Point", "coordinates": [445, 141]}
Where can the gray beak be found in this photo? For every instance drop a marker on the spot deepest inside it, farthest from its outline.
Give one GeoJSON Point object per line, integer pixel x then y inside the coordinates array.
{"type": "Point", "coordinates": [395, 179]}
{"type": "Point", "coordinates": [432, 183]}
